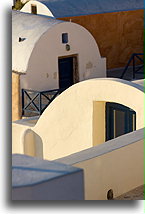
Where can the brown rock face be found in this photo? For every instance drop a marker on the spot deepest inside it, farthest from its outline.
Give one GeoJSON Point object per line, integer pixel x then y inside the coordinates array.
{"type": "Point", "coordinates": [117, 34]}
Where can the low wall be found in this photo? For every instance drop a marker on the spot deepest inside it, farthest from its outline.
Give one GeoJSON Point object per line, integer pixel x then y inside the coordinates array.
{"type": "Point", "coordinates": [115, 165]}
{"type": "Point", "coordinates": [69, 121]}
{"type": "Point", "coordinates": [17, 133]}
{"type": "Point", "coordinates": [37, 179]}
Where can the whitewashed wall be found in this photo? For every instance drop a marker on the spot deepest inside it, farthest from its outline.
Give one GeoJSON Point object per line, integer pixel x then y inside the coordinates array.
{"type": "Point", "coordinates": [41, 8]}
{"type": "Point", "coordinates": [117, 165]}
{"type": "Point", "coordinates": [66, 126]}
{"type": "Point", "coordinates": [42, 70]}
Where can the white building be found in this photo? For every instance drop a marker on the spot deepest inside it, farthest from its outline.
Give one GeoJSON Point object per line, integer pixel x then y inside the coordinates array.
{"type": "Point", "coordinates": [117, 26]}
{"type": "Point", "coordinates": [51, 54]}
{"type": "Point", "coordinates": [96, 125]}
{"type": "Point", "coordinates": [85, 115]}
{"type": "Point", "coordinates": [46, 49]}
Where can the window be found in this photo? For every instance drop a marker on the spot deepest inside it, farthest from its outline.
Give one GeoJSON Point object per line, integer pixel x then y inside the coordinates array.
{"type": "Point", "coordinates": [33, 9]}
{"type": "Point", "coordinates": [65, 38]}
{"type": "Point", "coordinates": [120, 120]}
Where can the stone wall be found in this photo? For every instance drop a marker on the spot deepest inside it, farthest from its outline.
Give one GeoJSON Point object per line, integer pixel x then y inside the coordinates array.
{"type": "Point", "coordinates": [117, 34]}
{"type": "Point", "coordinates": [16, 104]}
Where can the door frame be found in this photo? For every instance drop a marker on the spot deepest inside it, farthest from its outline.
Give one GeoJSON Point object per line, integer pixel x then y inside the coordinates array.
{"type": "Point", "coordinates": [75, 67]}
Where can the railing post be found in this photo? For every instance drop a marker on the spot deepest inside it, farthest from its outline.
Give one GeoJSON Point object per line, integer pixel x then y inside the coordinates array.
{"type": "Point", "coordinates": [132, 59]}
{"type": "Point", "coordinates": [23, 102]}
{"type": "Point", "coordinates": [133, 66]}
{"type": "Point", "coordinates": [40, 104]}
{"type": "Point", "coordinates": [126, 67]}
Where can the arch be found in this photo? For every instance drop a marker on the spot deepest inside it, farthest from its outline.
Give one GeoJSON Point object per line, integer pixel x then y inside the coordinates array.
{"type": "Point", "coordinates": [68, 119]}
{"type": "Point", "coordinates": [90, 63]}
{"type": "Point", "coordinates": [42, 9]}
{"type": "Point", "coordinates": [31, 144]}
{"type": "Point", "coordinates": [28, 142]}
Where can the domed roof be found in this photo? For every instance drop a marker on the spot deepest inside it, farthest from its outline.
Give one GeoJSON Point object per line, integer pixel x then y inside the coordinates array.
{"type": "Point", "coordinates": [26, 31]}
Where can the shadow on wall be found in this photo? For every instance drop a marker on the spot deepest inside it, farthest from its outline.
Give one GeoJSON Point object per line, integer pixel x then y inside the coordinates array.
{"type": "Point", "coordinates": [32, 144]}
{"type": "Point", "coordinates": [84, 125]}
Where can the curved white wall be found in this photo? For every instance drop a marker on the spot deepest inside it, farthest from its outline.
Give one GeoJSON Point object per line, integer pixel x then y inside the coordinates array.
{"type": "Point", "coordinates": [41, 8]}
{"type": "Point", "coordinates": [66, 126]}
{"type": "Point", "coordinates": [42, 70]}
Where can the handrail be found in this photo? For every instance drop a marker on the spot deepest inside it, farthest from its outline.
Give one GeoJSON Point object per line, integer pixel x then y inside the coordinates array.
{"type": "Point", "coordinates": [37, 101]}
{"type": "Point", "coordinates": [133, 60]}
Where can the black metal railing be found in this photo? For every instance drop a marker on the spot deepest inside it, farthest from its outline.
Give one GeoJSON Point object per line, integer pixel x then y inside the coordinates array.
{"type": "Point", "coordinates": [35, 102]}
{"type": "Point", "coordinates": [135, 67]}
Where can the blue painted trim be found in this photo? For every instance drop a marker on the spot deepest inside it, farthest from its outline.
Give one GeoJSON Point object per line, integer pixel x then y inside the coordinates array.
{"type": "Point", "coordinates": [110, 119]}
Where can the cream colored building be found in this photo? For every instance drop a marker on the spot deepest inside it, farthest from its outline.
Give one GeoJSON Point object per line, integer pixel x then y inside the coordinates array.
{"type": "Point", "coordinates": [36, 7]}
{"type": "Point", "coordinates": [43, 49]}
{"type": "Point", "coordinates": [96, 125]}
{"type": "Point", "coordinates": [117, 26]}
{"type": "Point", "coordinates": [77, 120]}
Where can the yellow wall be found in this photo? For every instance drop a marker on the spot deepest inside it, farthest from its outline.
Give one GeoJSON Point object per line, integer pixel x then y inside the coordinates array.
{"type": "Point", "coordinates": [18, 131]}
{"type": "Point", "coordinates": [98, 123]}
{"type": "Point", "coordinates": [16, 104]}
{"type": "Point", "coordinates": [117, 34]}
{"type": "Point", "coordinates": [120, 170]}
{"type": "Point", "coordinates": [29, 143]}
{"type": "Point", "coordinates": [66, 126]}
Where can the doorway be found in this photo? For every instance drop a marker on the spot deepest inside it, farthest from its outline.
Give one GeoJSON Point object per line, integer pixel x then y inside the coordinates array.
{"type": "Point", "coordinates": [68, 71]}
{"type": "Point", "coordinates": [120, 120]}
{"type": "Point", "coordinates": [33, 9]}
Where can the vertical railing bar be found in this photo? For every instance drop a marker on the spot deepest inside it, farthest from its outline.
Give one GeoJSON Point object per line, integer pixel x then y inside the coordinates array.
{"type": "Point", "coordinates": [23, 102]}
{"type": "Point", "coordinates": [133, 66]}
{"type": "Point", "coordinates": [40, 104]}
{"type": "Point", "coordinates": [126, 67]}
{"type": "Point", "coordinates": [132, 58]}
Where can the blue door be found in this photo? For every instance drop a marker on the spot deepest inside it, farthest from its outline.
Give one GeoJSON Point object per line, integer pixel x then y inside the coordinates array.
{"type": "Point", "coordinates": [120, 120]}
{"type": "Point", "coordinates": [65, 72]}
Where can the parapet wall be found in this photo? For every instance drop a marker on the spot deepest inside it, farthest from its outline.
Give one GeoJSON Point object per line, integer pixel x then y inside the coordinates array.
{"type": "Point", "coordinates": [115, 165]}
{"type": "Point", "coordinates": [66, 126]}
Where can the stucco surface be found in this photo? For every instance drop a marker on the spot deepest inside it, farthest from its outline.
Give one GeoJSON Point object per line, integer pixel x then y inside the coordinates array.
{"type": "Point", "coordinates": [117, 34]}
{"type": "Point", "coordinates": [140, 82]}
{"type": "Point", "coordinates": [121, 170]}
{"type": "Point", "coordinates": [30, 28]}
{"type": "Point", "coordinates": [37, 179]}
{"type": "Point", "coordinates": [68, 120]}
{"type": "Point", "coordinates": [71, 113]}
{"type": "Point", "coordinates": [38, 54]}
{"type": "Point", "coordinates": [116, 164]}
{"type": "Point", "coordinates": [27, 171]}
{"type": "Point", "coordinates": [17, 131]}
{"type": "Point", "coordinates": [117, 26]}
{"type": "Point", "coordinates": [43, 63]}
{"type": "Point", "coordinates": [41, 8]}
